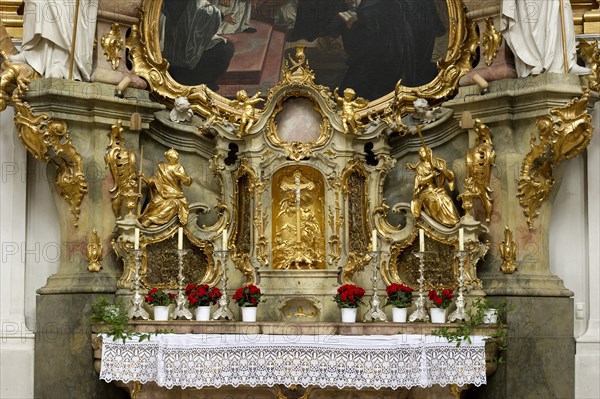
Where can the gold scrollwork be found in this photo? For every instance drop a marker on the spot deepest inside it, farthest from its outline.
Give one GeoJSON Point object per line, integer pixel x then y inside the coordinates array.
{"type": "Point", "coordinates": [245, 179]}
{"type": "Point", "coordinates": [562, 135]}
{"type": "Point", "coordinates": [590, 52]}
{"type": "Point", "coordinates": [480, 160]}
{"type": "Point", "coordinates": [508, 252]}
{"type": "Point", "coordinates": [490, 41]}
{"type": "Point", "coordinates": [121, 161]}
{"type": "Point", "coordinates": [112, 44]}
{"type": "Point", "coordinates": [14, 80]}
{"type": "Point", "coordinates": [94, 252]}
{"type": "Point", "coordinates": [40, 134]}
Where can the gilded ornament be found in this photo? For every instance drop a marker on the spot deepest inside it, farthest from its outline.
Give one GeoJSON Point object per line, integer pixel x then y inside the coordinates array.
{"type": "Point", "coordinates": [247, 105]}
{"type": "Point", "coordinates": [167, 199]}
{"type": "Point", "coordinates": [14, 79]}
{"type": "Point", "coordinates": [491, 41]}
{"type": "Point", "coordinates": [562, 135]}
{"type": "Point", "coordinates": [430, 194]}
{"type": "Point", "coordinates": [241, 232]}
{"type": "Point", "coordinates": [112, 44]}
{"type": "Point", "coordinates": [508, 252]}
{"type": "Point", "coordinates": [94, 252]}
{"type": "Point", "coordinates": [590, 52]}
{"type": "Point", "coordinates": [121, 161]}
{"type": "Point", "coordinates": [349, 103]}
{"type": "Point", "coordinates": [148, 63]}
{"type": "Point", "coordinates": [480, 160]}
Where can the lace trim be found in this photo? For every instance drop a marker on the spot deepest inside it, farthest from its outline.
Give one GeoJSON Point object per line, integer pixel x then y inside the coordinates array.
{"type": "Point", "coordinates": [359, 362]}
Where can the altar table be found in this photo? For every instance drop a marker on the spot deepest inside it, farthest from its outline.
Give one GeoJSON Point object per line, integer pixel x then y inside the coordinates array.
{"type": "Point", "coordinates": [341, 361]}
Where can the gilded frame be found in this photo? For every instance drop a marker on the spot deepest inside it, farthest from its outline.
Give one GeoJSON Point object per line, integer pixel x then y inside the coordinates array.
{"type": "Point", "coordinates": [148, 63]}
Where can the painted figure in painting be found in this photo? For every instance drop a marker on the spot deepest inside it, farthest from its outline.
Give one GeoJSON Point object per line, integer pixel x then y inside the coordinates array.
{"type": "Point", "coordinates": [167, 198]}
{"type": "Point", "coordinates": [48, 36]}
{"type": "Point", "coordinates": [349, 104]}
{"type": "Point", "coordinates": [429, 194]}
{"type": "Point", "coordinates": [236, 16]}
{"type": "Point", "coordinates": [195, 52]}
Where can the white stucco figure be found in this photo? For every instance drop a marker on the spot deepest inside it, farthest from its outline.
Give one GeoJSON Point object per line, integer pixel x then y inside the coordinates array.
{"type": "Point", "coordinates": [48, 34]}
{"type": "Point", "coordinates": [532, 30]}
{"type": "Point", "coordinates": [181, 112]}
{"type": "Point", "coordinates": [424, 113]}
{"type": "Point", "coordinates": [236, 16]}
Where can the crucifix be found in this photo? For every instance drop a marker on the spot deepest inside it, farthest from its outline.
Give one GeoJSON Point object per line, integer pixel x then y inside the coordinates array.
{"type": "Point", "coordinates": [298, 186]}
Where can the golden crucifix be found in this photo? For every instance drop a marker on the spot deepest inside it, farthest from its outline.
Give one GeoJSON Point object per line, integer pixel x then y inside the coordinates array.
{"type": "Point", "coordinates": [298, 186]}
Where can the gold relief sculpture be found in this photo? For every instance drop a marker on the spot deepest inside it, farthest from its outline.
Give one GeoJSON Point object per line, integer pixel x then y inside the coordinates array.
{"type": "Point", "coordinates": [14, 79]}
{"type": "Point", "coordinates": [429, 194]}
{"type": "Point", "coordinates": [491, 41]}
{"type": "Point", "coordinates": [480, 160]}
{"type": "Point", "coordinates": [112, 44]}
{"type": "Point", "coordinates": [167, 197]}
{"type": "Point", "coordinates": [148, 63]}
{"type": "Point", "coordinates": [508, 252]}
{"type": "Point", "coordinates": [562, 135]}
{"type": "Point", "coordinates": [246, 104]}
{"type": "Point", "coordinates": [241, 234]}
{"type": "Point", "coordinates": [299, 309]}
{"type": "Point", "coordinates": [335, 220]}
{"type": "Point", "coordinates": [349, 103]}
{"type": "Point", "coordinates": [293, 388]}
{"type": "Point", "coordinates": [121, 161]}
{"type": "Point", "coordinates": [298, 219]}
{"type": "Point", "coordinates": [94, 252]}
{"type": "Point", "coordinates": [590, 52]}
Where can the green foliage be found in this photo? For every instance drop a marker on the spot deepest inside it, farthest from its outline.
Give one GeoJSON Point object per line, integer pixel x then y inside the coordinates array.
{"type": "Point", "coordinates": [464, 329]}
{"type": "Point", "coordinates": [115, 319]}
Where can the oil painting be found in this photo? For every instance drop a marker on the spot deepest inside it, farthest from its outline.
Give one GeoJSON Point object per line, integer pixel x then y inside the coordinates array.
{"type": "Point", "coordinates": [368, 45]}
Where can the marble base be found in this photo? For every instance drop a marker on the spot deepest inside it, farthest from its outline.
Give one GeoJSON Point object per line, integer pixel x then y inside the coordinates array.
{"type": "Point", "coordinates": [540, 359]}
{"type": "Point", "coordinates": [63, 356]}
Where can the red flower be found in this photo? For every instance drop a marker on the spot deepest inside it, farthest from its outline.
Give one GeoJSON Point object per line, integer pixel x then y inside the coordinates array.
{"type": "Point", "coordinates": [349, 296]}
{"type": "Point", "coordinates": [438, 301]}
{"type": "Point", "coordinates": [190, 287]}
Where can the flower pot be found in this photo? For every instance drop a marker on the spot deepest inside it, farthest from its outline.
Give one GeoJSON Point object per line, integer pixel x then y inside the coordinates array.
{"type": "Point", "coordinates": [249, 313]}
{"type": "Point", "coordinates": [161, 313]}
{"type": "Point", "coordinates": [349, 315]}
{"type": "Point", "coordinates": [399, 315]}
{"type": "Point", "coordinates": [202, 313]}
{"type": "Point", "coordinates": [490, 316]}
{"type": "Point", "coordinates": [438, 315]}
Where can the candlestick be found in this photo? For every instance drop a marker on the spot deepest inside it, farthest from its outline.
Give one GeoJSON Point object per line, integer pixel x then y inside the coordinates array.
{"type": "Point", "coordinates": [459, 313]}
{"type": "Point", "coordinates": [420, 313]}
{"type": "Point", "coordinates": [223, 312]}
{"type": "Point", "coordinates": [374, 240]}
{"type": "Point", "coordinates": [461, 239]}
{"type": "Point", "coordinates": [421, 240]}
{"type": "Point", "coordinates": [136, 239]}
{"type": "Point", "coordinates": [181, 309]}
{"type": "Point", "coordinates": [375, 313]}
{"type": "Point", "coordinates": [137, 301]}
{"type": "Point", "coordinates": [180, 239]}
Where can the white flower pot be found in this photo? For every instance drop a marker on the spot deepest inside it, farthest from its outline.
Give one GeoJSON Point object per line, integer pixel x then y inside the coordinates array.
{"type": "Point", "coordinates": [438, 315]}
{"type": "Point", "coordinates": [249, 313]}
{"type": "Point", "coordinates": [161, 313]}
{"type": "Point", "coordinates": [399, 315]}
{"type": "Point", "coordinates": [202, 313]}
{"type": "Point", "coordinates": [490, 316]}
{"type": "Point", "coordinates": [349, 315]}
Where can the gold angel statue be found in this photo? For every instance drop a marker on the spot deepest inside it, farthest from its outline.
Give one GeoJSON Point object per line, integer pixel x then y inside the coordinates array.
{"type": "Point", "coordinates": [480, 160]}
{"type": "Point", "coordinates": [349, 104]}
{"type": "Point", "coordinates": [429, 194]}
{"type": "Point", "coordinates": [246, 104]}
{"type": "Point", "coordinates": [167, 198]}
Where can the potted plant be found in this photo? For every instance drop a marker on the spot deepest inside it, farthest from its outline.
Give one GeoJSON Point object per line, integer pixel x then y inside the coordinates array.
{"type": "Point", "coordinates": [200, 297]}
{"type": "Point", "coordinates": [248, 298]}
{"type": "Point", "coordinates": [440, 301]}
{"type": "Point", "coordinates": [160, 301]}
{"type": "Point", "coordinates": [400, 297]}
{"type": "Point", "coordinates": [348, 297]}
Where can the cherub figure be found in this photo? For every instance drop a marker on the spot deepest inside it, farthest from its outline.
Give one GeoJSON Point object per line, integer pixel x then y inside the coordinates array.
{"type": "Point", "coordinates": [349, 104]}
{"type": "Point", "coordinates": [181, 112]}
{"type": "Point", "coordinates": [423, 113]}
{"type": "Point", "coordinates": [246, 104]}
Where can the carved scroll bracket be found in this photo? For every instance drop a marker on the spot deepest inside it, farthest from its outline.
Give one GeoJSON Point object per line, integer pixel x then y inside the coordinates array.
{"type": "Point", "coordinates": [562, 135]}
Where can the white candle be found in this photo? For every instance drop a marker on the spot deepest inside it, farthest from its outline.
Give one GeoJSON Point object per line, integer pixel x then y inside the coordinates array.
{"type": "Point", "coordinates": [224, 239]}
{"type": "Point", "coordinates": [374, 240]}
{"type": "Point", "coordinates": [421, 240]}
{"type": "Point", "coordinates": [180, 238]}
{"type": "Point", "coordinates": [136, 239]}
{"type": "Point", "coordinates": [461, 239]}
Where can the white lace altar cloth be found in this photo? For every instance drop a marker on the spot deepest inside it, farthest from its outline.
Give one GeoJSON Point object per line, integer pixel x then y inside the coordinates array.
{"type": "Point", "coordinates": [215, 360]}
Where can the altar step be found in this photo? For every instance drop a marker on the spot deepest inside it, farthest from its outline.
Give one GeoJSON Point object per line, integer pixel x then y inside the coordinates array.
{"type": "Point", "coordinates": [256, 63]}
